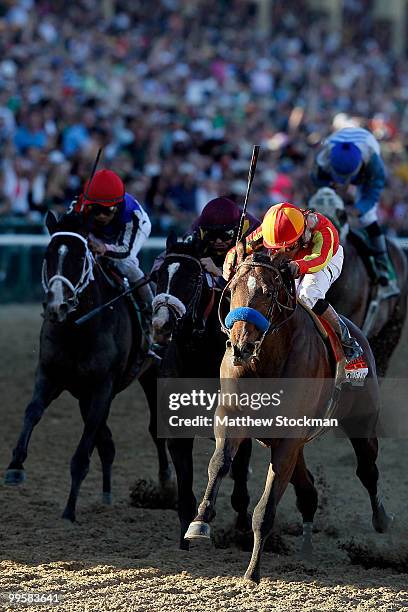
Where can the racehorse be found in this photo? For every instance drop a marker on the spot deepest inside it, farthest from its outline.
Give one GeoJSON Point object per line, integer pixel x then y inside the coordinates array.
{"type": "Point", "coordinates": [290, 347]}
{"type": "Point", "coordinates": [94, 361]}
{"type": "Point", "coordinates": [185, 322]}
{"type": "Point", "coordinates": [355, 290]}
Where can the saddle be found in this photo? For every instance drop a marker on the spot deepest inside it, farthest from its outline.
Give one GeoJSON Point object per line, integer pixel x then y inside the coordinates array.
{"type": "Point", "coordinates": [335, 350]}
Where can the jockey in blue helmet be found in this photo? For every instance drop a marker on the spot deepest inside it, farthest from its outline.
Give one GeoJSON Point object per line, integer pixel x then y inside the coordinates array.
{"type": "Point", "coordinates": [352, 156]}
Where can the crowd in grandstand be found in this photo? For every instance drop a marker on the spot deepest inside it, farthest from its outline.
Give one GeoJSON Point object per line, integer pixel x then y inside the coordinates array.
{"type": "Point", "coordinates": [177, 96]}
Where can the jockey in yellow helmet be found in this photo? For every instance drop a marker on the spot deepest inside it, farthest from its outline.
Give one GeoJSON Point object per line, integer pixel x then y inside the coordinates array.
{"type": "Point", "coordinates": [312, 242]}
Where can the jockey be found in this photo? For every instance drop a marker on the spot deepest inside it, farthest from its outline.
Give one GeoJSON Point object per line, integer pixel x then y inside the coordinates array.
{"type": "Point", "coordinates": [353, 156]}
{"type": "Point", "coordinates": [316, 255]}
{"type": "Point", "coordinates": [215, 230]}
{"type": "Point", "coordinates": [118, 228]}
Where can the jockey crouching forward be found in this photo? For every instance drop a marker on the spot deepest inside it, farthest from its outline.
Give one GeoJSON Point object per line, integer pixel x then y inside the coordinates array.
{"type": "Point", "coordinates": [352, 156]}
{"type": "Point", "coordinates": [312, 242]}
{"type": "Point", "coordinates": [118, 228]}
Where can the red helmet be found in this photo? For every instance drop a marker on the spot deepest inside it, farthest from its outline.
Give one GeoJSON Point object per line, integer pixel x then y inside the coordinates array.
{"type": "Point", "coordinates": [106, 189]}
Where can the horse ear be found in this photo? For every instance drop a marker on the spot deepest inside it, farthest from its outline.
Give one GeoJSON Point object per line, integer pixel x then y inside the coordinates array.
{"type": "Point", "coordinates": [51, 222]}
{"type": "Point", "coordinates": [171, 240]}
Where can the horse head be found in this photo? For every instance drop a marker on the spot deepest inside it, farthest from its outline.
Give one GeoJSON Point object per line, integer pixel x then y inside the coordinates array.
{"type": "Point", "coordinates": [67, 266]}
{"type": "Point", "coordinates": [263, 298]}
{"type": "Point", "coordinates": [179, 286]}
{"type": "Point", "coordinates": [330, 204]}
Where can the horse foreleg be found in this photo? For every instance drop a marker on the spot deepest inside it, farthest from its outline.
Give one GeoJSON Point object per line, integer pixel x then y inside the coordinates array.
{"type": "Point", "coordinates": [283, 461]}
{"type": "Point", "coordinates": [149, 381]}
{"type": "Point", "coordinates": [95, 417]}
{"type": "Point", "coordinates": [366, 450]}
{"type": "Point", "coordinates": [240, 496]}
{"type": "Point", "coordinates": [306, 501]}
{"type": "Point", "coordinates": [106, 450]}
{"type": "Point", "coordinates": [218, 468]}
{"type": "Point", "coordinates": [45, 391]}
{"type": "Point", "coordinates": [181, 451]}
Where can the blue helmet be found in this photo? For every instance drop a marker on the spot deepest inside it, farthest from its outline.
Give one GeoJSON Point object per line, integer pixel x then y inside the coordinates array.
{"type": "Point", "coordinates": [345, 159]}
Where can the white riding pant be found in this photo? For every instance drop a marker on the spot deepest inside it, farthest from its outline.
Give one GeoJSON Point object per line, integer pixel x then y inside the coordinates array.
{"type": "Point", "coordinates": [314, 286]}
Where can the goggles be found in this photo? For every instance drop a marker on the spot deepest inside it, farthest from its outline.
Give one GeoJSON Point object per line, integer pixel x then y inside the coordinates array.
{"type": "Point", "coordinates": [98, 209]}
{"type": "Point", "coordinates": [212, 234]}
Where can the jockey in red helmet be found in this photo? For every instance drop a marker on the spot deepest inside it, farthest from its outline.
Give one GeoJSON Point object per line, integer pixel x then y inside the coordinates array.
{"type": "Point", "coordinates": [312, 242]}
{"type": "Point", "coordinates": [118, 228]}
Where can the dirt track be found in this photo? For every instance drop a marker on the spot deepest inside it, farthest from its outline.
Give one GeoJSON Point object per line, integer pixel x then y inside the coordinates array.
{"type": "Point", "coordinates": [125, 558]}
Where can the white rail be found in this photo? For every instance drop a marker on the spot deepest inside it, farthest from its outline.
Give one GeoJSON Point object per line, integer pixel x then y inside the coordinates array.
{"type": "Point", "coordinates": [42, 240]}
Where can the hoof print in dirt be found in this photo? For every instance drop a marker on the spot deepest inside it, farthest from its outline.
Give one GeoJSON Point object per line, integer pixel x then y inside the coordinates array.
{"type": "Point", "coordinates": [370, 556]}
{"type": "Point", "coordinates": [230, 537]}
{"type": "Point", "coordinates": [145, 493]}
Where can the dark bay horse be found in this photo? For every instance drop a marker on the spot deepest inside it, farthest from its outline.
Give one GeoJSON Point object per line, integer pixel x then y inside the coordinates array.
{"type": "Point", "coordinates": [94, 361]}
{"type": "Point", "coordinates": [185, 322]}
{"type": "Point", "coordinates": [355, 289]}
{"type": "Point", "coordinates": [291, 348]}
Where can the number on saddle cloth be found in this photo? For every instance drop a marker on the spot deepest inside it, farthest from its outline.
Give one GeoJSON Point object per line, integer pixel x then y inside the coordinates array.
{"type": "Point", "coordinates": [250, 315]}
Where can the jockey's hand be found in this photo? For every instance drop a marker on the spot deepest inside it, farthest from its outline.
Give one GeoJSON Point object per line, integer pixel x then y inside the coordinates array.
{"type": "Point", "coordinates": [294, 269]}
{"type": "Point", "coordinates": [96, 245]}
{"type": "Point", "coordinates": [210, 267]}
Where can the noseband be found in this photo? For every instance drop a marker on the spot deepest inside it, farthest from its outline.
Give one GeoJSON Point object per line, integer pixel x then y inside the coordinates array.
{"type": "Point", "coordinates": [86, 274]}
{"type": "Point", "coordinates": [176, 308]}
{"type": "Point", "coordinates": [263, 322]}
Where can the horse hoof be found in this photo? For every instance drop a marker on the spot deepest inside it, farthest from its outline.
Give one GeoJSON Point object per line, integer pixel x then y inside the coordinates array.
{"type": "Point", "coordinates": [68, 515]}
{"type": "Point", "coordinates": [382, 521]}
{"type": "Point", "coordinates": [14, 477]}
{"type": "Point", "coordinates": [251, 580]}
{"type": "Point", "coordinates": [107, 498]}
{"type": "Point", "coordinates": [198, 530]}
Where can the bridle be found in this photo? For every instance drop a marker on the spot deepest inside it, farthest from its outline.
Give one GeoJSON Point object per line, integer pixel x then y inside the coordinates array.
{"type": "Point", "coordinates": [86, 274]}
{"type": "Point", "coordinates": [176, 308]}
{"type": "Point", "coordinates": [274, 305]}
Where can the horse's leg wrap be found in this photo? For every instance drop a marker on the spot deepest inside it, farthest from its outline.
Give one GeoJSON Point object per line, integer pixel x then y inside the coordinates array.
{"type": "Point", "coordinates": [218, 468]}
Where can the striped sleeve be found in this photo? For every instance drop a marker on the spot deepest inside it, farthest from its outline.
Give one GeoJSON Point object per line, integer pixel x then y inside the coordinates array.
{"type": "Point", "coordinates": [253, 242]}
{"type": "Point", "coordinates": [126, 240]}
{"type": "Point", "coordinates": [322, 252]}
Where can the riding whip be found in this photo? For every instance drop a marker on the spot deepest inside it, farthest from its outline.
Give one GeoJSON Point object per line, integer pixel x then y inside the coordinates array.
{"type": "Point", "coordinates": [96, 162]}
{"type": "Point", "coordinates": [251, 174]}
{"type": "Point", "coordinates": [99, 309]}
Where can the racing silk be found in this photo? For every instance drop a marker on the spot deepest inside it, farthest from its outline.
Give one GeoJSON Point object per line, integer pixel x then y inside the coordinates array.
{"type": "Point", "coordinates": [310, 257]}
{"type": "Point", "coordinates": [371, 178]}
{"type": "Point", "coordinates": [121, 235]}
{"type": "Point", "coordinates": [250, 223]}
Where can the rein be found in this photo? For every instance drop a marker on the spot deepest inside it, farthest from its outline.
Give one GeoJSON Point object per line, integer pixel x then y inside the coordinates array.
{"type": "Point", "coordinates": [176, 308]}
{"type": "Point", "coordinates": [274, 302]}
{"type": "Point", "coordinates": [86, 274]}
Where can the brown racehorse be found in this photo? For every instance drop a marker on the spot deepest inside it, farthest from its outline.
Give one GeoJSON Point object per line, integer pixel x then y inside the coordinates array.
{"type": "Point", "coordinates": [290, 348]}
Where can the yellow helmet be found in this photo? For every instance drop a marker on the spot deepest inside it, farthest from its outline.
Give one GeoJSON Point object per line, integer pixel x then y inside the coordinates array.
{"type": "Point", "coordinates": [282, 225]}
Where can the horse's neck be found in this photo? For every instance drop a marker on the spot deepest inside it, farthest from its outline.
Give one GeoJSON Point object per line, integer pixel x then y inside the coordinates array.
{"type": "Point", "coordinates": [294, 348]}
{"type": "Point", "coordinates": [93, 295]}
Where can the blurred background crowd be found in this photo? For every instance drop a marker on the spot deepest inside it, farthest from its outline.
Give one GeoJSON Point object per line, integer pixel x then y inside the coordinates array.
{"type": "Point", "coordinates": [177, 92]}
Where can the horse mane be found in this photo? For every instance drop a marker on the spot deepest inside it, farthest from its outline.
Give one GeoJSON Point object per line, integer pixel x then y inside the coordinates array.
{"type": "Point", "coordinates": [183, 248]}
{"type": "Point", "coordinates": [267, 257]}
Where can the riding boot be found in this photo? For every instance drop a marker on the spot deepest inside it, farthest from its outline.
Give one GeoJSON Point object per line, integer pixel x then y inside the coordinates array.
{"type": "Point", "coordinates": [352, 349]}
{"type": "Point", "coordinates": [382, 260]}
